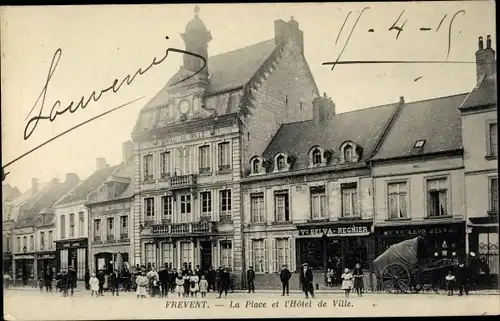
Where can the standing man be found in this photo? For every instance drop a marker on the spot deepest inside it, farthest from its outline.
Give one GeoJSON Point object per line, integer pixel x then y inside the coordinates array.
{"type": "Point", "coordinates": [87, 279]}
{"type": "Point", "coordinates": [164, 276]}
{"type": "Point", "coordinates": [70, 280]}
{"type": "Point", "coordinates": [306, 279]}
{"type": "Point", "coordinates": [211, 277]}
{"type": "Point", "coordinates": [225, 282]}
{"type": "Point", "coordinates": [47, 279]}
{"type": "Point", "coordinates": [198, 272]}
{"type": "Point", "coordinates": [463, 279]}
{"type": "Point", "coordinates": [285, 276]}
{"type": "Point", "coordinates": [251, 279]}
{"type": "Point", "coordinates": [114, 282]}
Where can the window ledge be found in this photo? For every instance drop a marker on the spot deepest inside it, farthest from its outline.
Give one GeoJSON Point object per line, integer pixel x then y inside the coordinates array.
{"type": "Point", "coordinates": [316, 220]}
{"type": "Point", "coordinates": [398, 219]}
{"type": "Point", "coordinates": [349, 218]}
{"type": "Point", "coordinates": [491, 157]}
{"type": "Point", "coordinates": [492, 212]}
{"type": "Point", "coordinates": [205, 172]}
{"type": "Point", "coordinates": [281, 223]}
{"type": "Point", "coordinates": [437, 217]}
{"type": "Point", "coordinates": [224, 171]}
{"type": "Point", "coordinates": [257, 224]}
{"type": "Point", "coordinates": [149, 181]}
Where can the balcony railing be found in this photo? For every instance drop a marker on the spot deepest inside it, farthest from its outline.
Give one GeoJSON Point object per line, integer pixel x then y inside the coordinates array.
{"type": "Point", "coordinates": [97, 238]}
{"type": "Point", "coordinates": [124, 236]}
{"type": "Point", "coordinates": [184, 181]}
{"type": "Point", "coordinates": [184, 228]}
{"type": "Point", "coordinates": [110, 237]}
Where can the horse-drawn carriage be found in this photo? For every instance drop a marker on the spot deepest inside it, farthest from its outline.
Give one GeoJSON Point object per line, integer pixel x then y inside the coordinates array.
{"type": "Point", "coordinates": [406, 267]}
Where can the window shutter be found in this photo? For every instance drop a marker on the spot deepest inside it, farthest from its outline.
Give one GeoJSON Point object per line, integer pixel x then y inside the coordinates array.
{"type": "Point", "coordinates": [274, 254]}
{"type": "Point", "coordinates": [249, 259]}
{"type": "Point", "coordinates": [291, 246]}
{"type": "Point", "coordinates": [266, 266]}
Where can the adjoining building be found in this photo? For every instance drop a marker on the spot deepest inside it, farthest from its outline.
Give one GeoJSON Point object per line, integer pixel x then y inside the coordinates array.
{"type": "Point", "coordinates": [10, 195]}
{"type": "Point", "coordinates": [44, 228]}
{"type": "Point", "coordinates": [308, 197]}
{"type": "Point", "coordinates": [480, 139]}
{"type": "Point", "coordinates": [72, 221]}
{"type": "Point", "coordinates": [109, 209]}
{"type": "Point", "coordinates": [194, 139]}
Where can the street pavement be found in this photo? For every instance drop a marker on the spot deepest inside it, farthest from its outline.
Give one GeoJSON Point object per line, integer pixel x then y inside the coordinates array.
{"type": "Point", "coordinates": [33, 305]}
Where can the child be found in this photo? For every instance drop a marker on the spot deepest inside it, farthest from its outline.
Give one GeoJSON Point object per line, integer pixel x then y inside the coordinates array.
{"type": "Point", "coordinates": [142, 282]}
{"type": "Point", "coordinates": [450, 282]}
{"type": "Point", "coordinates": [347, 282]}
{"type": "Point", "coordinates": [155, 286]}
{"type": "Point", "coordinates": [179, 285]}
{"type": "Point", "coordinates": [329, 277]}
{"type": "Point", "coordinates": [194, 285]}
{"type": "Point", "coordinates": [94, 285]}
{"type": "Point", "coordinates": [187, 282]}
{"type": "Point", "coordinates": [203, 286]}
{"type": "Point", "coordinates": [41, 283]}
{"type": "Point", "coordinates": [358, 279]}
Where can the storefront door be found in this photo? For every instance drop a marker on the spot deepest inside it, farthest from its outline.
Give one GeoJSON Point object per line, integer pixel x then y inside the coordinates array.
{"type": "Point", "coordinates": [206, 255]}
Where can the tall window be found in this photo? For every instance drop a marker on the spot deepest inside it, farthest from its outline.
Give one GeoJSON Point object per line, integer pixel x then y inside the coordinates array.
{"type": "Point", "coordinates": [226, 254]}
{"type": "Point", "coordinates": [51, 240]}
{"type": "Point", "coordinates": [184, 161]}
{"type": "Point", "coordinates": [204, 161]}
{"type": "Point", "coordinates": [281, 204]}
{"type": "Point", "coordinates": [257, 207]}
{"type": "Point", "coordinates": [63, 226]}
{"type": "Point", "coordinates": [18, 244]}
{"type": "Point", "coordinates": [437, 197]}
{"type": "Point", "coordinates": [348, 153]}
{"type": "Point", "coordinates": [186, 252]}
{"type": "Point", "coordinates": [350, 200]}
{"type": "Point", "coordinates": [493, 139]}
{"type": "Point", "coordinates": [282, 253]}
{"type": "Point", "coordinates": [124, 227]}
{"type": "Point", "coordinates": [97, 230]}
{"type": "Point", "coordinates": [224, 156]}
{"type": "Point", "coordinates": [150, 253]}
{"type": "Point", "coordinates": [168, 253]}
{"type": "Point", "coordinates": [149, 208]}
{"type": "Point", "coordinates": [81, 224]}
{"type": "Point", "coordinates": [72, 225]}
{"type": "Point", "coordinates": [316, 156]}
{"type": "Point", "coordinates": [42, 240]}
{"type": "Point", "coordinates": [110, 232]}
{"type": "Point", "coordinates": [165, 161]}
{"type": "Point", "coordinates": [225, 202]}
{"type": "Point", "coordinates": [397, 201]}
{"type": "Point", "coordinates": [258, 255]}
{"type": "Point", "coordinates": [318, 202]}
{"type": "Point", "coordinates": [185, 208]}
{"type": "Point", "coordinates": [494, 194]}
{"type": "Point", "coordinates": [255, 166]}
{"type": "Point", "coordinates": [148, 167]}
{"type": "Point", "coordinates": [206, 203]}
{"type": "Point", "coordinates": [7, 241]}
{"type": "Point", "coordinates": [32, 242]}
{"type": "Point", "coordinates": [167, 203]}
{"type": "Point", "coordinates": [280, 162]}
{"type": "Point", "coordinates": [25, 242]}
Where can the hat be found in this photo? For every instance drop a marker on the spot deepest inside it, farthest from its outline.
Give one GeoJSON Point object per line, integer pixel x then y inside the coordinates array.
{"type": "Point", "coordinates": [472, 254]}
{"type": "Point", "coordinates": [250, 267]}
{"type": "Point", "coordinates": [305, 264]}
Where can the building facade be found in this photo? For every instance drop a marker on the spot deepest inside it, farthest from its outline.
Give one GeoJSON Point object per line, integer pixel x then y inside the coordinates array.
{"type": "Point", "coordinates": [480, 130]}
{"type": "Point", "coordinates": [45, 246]}
{"type": "Point", "coordinates": [194, 139]}
{"type": "Point", "coordinates": [9, 201]}
{"type": "Point", "coordinates": [308, 197]}
{"type": "Point", "coordinates": [109, 210]}
{"type": "Point", "coordinates": [72, 222]}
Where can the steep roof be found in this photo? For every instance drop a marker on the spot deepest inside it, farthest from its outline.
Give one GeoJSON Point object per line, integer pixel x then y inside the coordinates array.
{"type": "Point", "coordinates": [483, 94]}
{"type": "Point", "coordinates": [362, 127]}
{"type": "Point", "coordinates": [122, 178]}
{"type": "Point", "coordinates": [9, 193]}
{"type": "Point", "coordinates": [437, 121]}
{"type": "Point", "coordinates": [80, 192]}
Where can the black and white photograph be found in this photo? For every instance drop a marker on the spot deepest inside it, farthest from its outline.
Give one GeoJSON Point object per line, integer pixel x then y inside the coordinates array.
{"type": "Point", "coordinates": [279, 160]}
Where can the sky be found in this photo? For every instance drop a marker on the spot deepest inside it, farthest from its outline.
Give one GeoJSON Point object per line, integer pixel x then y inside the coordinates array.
{"type": "Point", "coordinates": [102, 43]}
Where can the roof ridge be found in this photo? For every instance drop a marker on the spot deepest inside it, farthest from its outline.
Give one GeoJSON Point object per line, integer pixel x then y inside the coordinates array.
{"type": "Point", "coordinates": [436, 98]}
{"type": "Point", "coordinates": [241, 48]}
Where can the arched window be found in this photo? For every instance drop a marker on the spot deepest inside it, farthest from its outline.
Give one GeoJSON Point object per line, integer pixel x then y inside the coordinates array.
{"type": "Point", "coordinates": [348, 153]}
{"type": "Point", "coordinates": [255, 166]}
{"type": "Point", "coordinates": [280, 162]}
{"type": "Point", "coordinates": [316, 156]}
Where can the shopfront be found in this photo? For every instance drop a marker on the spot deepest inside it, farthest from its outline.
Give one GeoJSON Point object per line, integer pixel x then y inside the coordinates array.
{"type": "Point", "coordinates": [334, 245]}
{"type": "Point", "coordinates": [73, 253]}
{"type": "Point", "coordinates": [483, 240]}
{"type": "Point", "coordinates": [108, 261]}
{"type": "Point", "coordinates": [45, 261]}
{"type": "Point", "coordinates": [444, 240]}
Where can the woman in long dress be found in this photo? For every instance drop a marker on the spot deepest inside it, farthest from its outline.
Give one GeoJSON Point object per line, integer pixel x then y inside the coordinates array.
{"type": "Point", "coordinates": [358, 279]}
{"type": "Point", "coordinates": [347, 282]}
{"type": "Point", "coordinates": [179, 285]}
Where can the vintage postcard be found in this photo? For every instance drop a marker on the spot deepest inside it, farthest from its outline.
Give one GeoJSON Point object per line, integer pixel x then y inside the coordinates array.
{"type": "Point", "coordinates": [249, 160]}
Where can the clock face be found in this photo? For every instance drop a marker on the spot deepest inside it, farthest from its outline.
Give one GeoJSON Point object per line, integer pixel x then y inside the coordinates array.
{"type": "Point", "coordinates": [184, 107]}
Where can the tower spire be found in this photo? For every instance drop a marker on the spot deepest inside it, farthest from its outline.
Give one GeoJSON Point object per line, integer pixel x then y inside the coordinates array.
{"type": "Point", "coordinates": [196, 10]}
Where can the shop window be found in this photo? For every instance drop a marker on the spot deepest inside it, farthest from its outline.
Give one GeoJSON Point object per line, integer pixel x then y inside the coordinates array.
{"type": "Point", "coordinates": [80, 263]}
{"type": "Point", "coordinates": [437, 197]}
{"type": "Point", "coordinates": [397, 199]}
{"type": "Point", "coordinates": [206, 204]}
{"type": "Point", "coordinates": [147, 167]}
{"type": "Point", "coordinates": [226, 253]}
{"type": "Point", "coordinates": [258, 255]}
{"type": "Point", "coordinates": [488, 250]}
{"type": "Point", "coordinates": [167, 205]}
{"type": "Point", "coordinates": [350, 200]}
{"type": "Point", "coordinates": [63, 254]}
{"type": "Point", "coordinates": [311, 251]}
{"type": "Point", "coordinates": [493, 194]}
{"type": "Point", "coordinates": [281, 204]}
{"type": "Point", "coordinates": [149, 209]}
{"type": "Point", "coordinates": [257, 207]}
{"type": "Point", "coordinates": [165, 161]}
{"type": "Point", "coordinates": [204, 159]}
{"type": "Point", "coordinates": [318, 202]}
{"type": "Point", "coordinates": [185, 200]}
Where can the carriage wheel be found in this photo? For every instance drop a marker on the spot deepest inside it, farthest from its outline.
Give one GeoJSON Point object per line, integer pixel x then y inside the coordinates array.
{"type": "Point", "coordinates": [396, 278]}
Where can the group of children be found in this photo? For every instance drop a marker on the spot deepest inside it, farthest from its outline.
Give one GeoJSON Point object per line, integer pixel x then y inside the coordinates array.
{"type": "Point", "coordinates": [353, 280]}
{"type": "Point", "coordinates": [190, 285]}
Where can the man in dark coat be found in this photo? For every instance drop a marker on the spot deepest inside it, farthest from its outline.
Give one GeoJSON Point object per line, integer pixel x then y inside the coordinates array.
{"type": "Point", "coordinates": [172, 276]}
{"type": "Point", "coordinates": [114, 282]}
{"type": "Point", "coordinates": [164, 277]}
{"type": "Point", "coordinates": [70, 280]}
{"type": "Point", "coordinates": [127, 278]}
{"type": "Point", "coordinates": [211, 278]}
{"type": "Point", "coordinates": [224, 281]}
{"type": "Point", "coordinates": [102, 279]}
{"type": "Point", "coordinates": [306, 279]}
{"type": "Point", "coordinates": [87, 279]}
{"type": "Point", "coordinates": [198, 272]}
{"type": "Point", "coordinates": [251, 279]}
{"type": "Point", "coordinates": [463, 279]}
{"type": "Point", "coordinates": [47, 280]}
{"type": "Point", "coordinates": [285, 276]}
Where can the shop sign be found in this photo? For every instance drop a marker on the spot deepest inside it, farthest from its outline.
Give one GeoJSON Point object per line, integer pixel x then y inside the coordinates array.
{"type": "Point", "coordinates": [20, 257]}
{"type": "Point", "coordinates": [71, 245]}
{"type": "Point", "coordinates": [46, 256]}
{"type": "Point", "coordinates": [25, 230]}
{"type": "Point", "coordinates": [415, 231]}
{"type": "Point", "coordinates": [334, 230]}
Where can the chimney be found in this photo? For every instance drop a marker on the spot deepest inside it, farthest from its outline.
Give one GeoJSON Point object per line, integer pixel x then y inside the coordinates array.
{"type": "Point", "coordinates": [56, 180]}
{"type": "Point", "coordinates": [286, 31]}
{"type": "Point", "coordinates": [485, 59]}
{"type": "Point", "coordinates": [34, 185]}
{"type": "Point", "coordinates": [402, 100]}
{"type": "Point", "coordinates": [101, 163]}
{"type": "Point", "coordinates": [72, 178]}
{"type": "Point", "coordinates": [323, 109]}
{"type": "Point", "coordinates": [127, 151]}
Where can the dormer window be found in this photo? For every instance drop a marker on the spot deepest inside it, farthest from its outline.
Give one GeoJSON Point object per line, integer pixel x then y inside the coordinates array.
{"type": "Point", "coordinates": [317, 156]}
{"type": "Point", "coordinates": [349, 152]}
{"type": "Point", "coordinates": [419, 144]}
{"type": "Point", "coordinates": [257, 165]}
{"type": "Point", "coordinates": [280, 162]}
